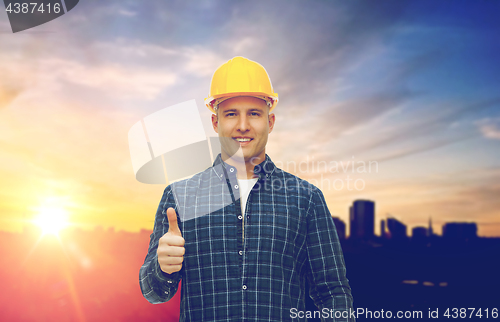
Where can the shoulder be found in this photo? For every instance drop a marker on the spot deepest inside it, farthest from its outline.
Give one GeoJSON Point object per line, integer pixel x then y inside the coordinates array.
{"type": "Point", "coordinates": [292, 181]}
{"type": "Point", "coordinates": [196, 181]}
{"type": "Point", "coordinates": [202, 184]}
{"type": "Point", "coordinates": [179, 193]}
{"type": "Point", "coordinates": [307, 195]}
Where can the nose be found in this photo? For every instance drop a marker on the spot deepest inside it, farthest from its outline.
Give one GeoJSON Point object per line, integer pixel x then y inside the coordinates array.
{"type": "Point", "coordinates": [243, 124]}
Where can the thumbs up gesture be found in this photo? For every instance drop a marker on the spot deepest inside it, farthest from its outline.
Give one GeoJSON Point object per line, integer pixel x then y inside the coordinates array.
{"type": "Point", "coordinates": [171, 246]}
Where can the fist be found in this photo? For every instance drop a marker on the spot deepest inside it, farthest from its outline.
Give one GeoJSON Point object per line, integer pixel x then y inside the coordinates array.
{"type": "Point", "coordinates": [171, 246]}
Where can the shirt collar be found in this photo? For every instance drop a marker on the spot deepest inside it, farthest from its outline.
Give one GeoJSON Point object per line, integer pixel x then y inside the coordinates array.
{"type": "Point", "coordinates": [264, 169]}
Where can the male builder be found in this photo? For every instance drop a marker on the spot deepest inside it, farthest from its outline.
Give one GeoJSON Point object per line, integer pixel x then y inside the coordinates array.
{"type": "Point", "coordinates": [244, 235]}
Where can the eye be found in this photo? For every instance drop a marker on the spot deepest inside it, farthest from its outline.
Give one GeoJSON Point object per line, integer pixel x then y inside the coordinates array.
{"type": "Point", "coordinates": [230, 114]}
{"type": "Point", "coordinates": [255, 114]}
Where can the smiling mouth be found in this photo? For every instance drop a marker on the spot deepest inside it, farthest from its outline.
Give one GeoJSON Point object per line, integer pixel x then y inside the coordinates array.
{"type": "Point", "coordinates": [243, 141]}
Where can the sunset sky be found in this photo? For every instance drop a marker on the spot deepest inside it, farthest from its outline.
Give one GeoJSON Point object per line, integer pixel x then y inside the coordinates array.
{"type": "Point", "coordinates": [410, 85]}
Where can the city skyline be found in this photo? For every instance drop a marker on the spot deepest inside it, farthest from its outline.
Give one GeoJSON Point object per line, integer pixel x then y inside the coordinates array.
{"type": "Point", "coordinates": [366, 228]}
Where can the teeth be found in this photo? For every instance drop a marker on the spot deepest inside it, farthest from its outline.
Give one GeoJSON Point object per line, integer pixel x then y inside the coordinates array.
{"type": "Point", "coordinates": [242, 140]}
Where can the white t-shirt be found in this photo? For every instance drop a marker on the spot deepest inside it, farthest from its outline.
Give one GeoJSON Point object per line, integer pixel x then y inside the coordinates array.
{"type": "Point", "coordinates": [245, 186]}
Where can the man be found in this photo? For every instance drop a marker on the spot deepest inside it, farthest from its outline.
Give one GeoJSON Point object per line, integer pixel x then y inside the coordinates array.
{"type": "Point", "coordinates": [244, 235]}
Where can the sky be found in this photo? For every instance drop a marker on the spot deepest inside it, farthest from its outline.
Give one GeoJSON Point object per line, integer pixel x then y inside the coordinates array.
{"type": "Point", "coordinates": [408, 87]}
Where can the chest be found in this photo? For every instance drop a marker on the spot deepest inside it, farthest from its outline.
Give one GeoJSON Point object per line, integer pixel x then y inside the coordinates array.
{"type": "Point", "coordinates": [277, 220]}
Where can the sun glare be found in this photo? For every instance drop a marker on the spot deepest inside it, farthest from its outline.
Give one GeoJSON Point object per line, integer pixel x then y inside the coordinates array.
{"type": "Point", "coordinates": [51, 220]}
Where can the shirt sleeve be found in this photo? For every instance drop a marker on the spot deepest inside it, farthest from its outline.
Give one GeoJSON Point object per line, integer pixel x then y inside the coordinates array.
{"type": "Point", "coordinates": [329, 286]}
{"type": "Point", "coordinates": [156, 285]}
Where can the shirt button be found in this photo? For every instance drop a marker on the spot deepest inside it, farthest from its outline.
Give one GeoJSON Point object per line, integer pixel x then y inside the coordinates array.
{"type": "Point", "coordinates": [240, 252]}
{"type": "Point", "coordinates": [169, 281]}
{"type": "Point", "coordinates": [231, 169]}
{"type": "Point", "coordinates": [236, 186]}
{"type": "Point", "coordinates": [240, 217]}
{"type": "Point", "coordinates": [244, 287]}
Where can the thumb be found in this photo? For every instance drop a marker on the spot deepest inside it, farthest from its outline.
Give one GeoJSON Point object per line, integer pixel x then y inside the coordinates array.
{"type": "Point", "coordinates": [173, 227]}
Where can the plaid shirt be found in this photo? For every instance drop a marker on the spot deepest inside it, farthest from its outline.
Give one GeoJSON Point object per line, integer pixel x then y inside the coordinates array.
{"type": "Point", "coordinates": [289, 236]}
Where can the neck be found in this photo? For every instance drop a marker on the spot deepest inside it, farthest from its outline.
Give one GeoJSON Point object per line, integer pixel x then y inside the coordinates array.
{"type": "Point", "coordinates": [243, 167]}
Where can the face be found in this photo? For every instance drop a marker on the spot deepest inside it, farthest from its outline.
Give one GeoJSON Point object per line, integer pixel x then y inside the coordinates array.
{"type": "Point", "coordinates": [243, 124]}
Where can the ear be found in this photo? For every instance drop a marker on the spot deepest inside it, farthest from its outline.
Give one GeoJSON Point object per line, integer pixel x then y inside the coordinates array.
{"type": "Point", "coordinates": [215, 122]}
{"type": "Point", "coordinates": [272, 119]}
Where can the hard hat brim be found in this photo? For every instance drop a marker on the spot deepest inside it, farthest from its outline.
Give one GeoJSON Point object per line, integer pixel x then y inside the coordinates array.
{"type": "Point", "coordinates": [210, 101]}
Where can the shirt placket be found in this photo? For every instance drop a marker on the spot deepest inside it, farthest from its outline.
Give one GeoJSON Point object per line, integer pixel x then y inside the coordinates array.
{"type": "Point", "coordinates": [230, 174]}
{"type": "Point", "coordinates": [232, 182]}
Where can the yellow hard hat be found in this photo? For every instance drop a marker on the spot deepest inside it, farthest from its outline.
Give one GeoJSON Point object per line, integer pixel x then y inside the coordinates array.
{"type": "Point", "coordinates": [240, 77]}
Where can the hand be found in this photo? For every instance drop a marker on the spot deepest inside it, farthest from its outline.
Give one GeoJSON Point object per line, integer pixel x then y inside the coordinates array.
{"type": "Point", "coordinates": [171, 246]}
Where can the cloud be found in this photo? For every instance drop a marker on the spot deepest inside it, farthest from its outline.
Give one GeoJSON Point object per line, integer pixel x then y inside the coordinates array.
{"type": "Point", "coordinates": [188, 41]}
{"type": "Point", "coordinates": [121, 69]}
{"type": "Point", "coordinates": [489, 127]}
{"type": "Point", "coordinates": [354, 112]}
{"type": "Point", "coordinates": [127, 13]}
{"type": "Point", "coordinates": [415, 149]}
{"type": "Point", "coordinates": [8, 92]}
{"type": "Point", "coordinates": [428, 123]}
{"type": "Point", "coordinates": [13, 82]}
{"type": "Point", "coordinates": [113, 79]}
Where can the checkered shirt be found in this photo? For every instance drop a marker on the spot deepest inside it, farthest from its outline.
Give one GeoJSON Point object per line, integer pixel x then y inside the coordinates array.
{"type": "Point", "coordinates": [289, 236]}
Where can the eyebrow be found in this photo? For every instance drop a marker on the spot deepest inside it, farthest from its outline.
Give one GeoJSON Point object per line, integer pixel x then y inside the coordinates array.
{"type": "Point", "coordinates": [250, 110]}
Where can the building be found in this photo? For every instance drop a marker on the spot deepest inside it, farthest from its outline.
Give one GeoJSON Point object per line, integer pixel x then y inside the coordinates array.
{"type": "Point", "coordinates": [362, 220]}
{"type": "Point", "coordinates": [382, 229]}
{"type": "Point", "coordinates": [430, 232]}
{"type": "Point", "coordinates": [460, 231]}
{"type": "Point", "coordinates": [397, 229]}
{"type": "Point", "coordinates": [419, 234]}
{"type": "Point", "coordinates": [340, 226]}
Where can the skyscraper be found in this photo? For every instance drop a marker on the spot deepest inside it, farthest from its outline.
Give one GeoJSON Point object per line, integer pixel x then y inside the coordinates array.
{"type": "Point", "coordinates": [362, 219]}
{"type": "Point", "coordinates": [396, 228]}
